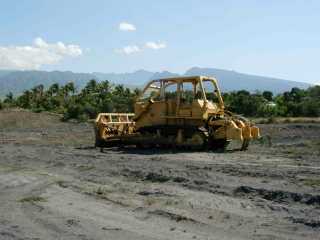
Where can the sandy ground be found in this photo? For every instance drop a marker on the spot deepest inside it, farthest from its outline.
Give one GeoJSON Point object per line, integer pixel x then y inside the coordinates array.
{"type": "Point", "coordinates": [54, 185]}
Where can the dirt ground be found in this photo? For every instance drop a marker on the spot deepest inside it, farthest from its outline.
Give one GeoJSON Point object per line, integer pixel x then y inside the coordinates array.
{"type": "Point", "coordinates": [54, 185]}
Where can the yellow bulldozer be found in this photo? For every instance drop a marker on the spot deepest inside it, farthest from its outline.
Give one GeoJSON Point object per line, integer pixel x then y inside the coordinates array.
{"type": "Point", "coordinates": [176, 112]}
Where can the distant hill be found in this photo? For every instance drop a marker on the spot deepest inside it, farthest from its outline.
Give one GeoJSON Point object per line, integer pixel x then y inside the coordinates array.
{"type": "Point", "coordinates": [126, 78]}
{"type": "Point", "coordinates": [5, 72]}
{"type": "Point", "coordinates": [19, 81]}
{"type": "Point", "coordinates": [231, 80]}
{"type": "Point", "coordinates": [136, 79]}
{"type": "Point", "coordinates": [164, 74]}
{"type": "Point", "coordinates": [228, 80]}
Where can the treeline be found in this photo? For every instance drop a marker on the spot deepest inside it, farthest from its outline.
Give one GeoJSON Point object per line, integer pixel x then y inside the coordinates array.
{"type": "Point", "coordinates": [103, 96]}
{"type": "Point", "coordinates": [93, 98]}
{"type": "Point", "coordinates": [294, 103]}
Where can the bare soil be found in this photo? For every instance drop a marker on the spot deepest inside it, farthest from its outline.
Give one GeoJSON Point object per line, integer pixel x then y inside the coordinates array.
{"type": "Point", "coordinates": [55, 185]}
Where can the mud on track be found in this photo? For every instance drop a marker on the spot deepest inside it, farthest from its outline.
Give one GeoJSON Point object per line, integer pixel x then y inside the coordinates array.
{"type": "Point", "coordinates": [54, 185]}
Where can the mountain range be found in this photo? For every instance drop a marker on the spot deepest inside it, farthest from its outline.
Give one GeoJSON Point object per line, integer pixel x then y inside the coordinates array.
{"type": "Point", "coordinates": [19, 81]}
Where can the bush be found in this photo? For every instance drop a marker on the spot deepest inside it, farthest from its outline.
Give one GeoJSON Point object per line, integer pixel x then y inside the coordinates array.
{"type": "Point", "coordinates": [73, 112]}
{"type": "Point", "coordinates": [311, 108]}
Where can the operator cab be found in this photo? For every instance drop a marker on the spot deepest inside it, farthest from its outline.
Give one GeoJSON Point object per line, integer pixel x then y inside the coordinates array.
{"type": "Point", "coordinates": [183, 96]}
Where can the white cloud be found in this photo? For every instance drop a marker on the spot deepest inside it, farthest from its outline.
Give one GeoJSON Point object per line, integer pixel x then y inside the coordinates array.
{"type": "Point", "coordinates": [36, 55]}
{"type": "Point", "coordinates": [124, 26]}
{"type": "Point", "coordinates": [135, 48]}
{"type": "Point", "coordinates": [155, 45]}
{"type": "Point", "coordinates": [129, 49]}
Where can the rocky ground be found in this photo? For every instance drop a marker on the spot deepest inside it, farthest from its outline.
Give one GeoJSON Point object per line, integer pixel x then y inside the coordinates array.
{"type": "Point", "coordinates": [54, 185]}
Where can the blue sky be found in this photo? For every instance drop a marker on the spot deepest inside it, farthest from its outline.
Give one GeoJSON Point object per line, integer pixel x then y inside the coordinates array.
{"type": "Point", "coordinates": [270, 38]}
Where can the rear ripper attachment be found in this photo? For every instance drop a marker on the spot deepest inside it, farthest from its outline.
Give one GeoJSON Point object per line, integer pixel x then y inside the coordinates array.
{"type": "Point", "coordinates": [176, 112]}
{"type": "Point", "coordinates": [111, 127]}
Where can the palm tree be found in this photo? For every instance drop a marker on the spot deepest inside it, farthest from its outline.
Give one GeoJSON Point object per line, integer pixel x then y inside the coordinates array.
{"type": "Point", "coordinates": [91, 86]}
{"type": "Point", "coordinates": [53, 89]}
{"type": "Point", "coordinates": [104, 87]}
{"type": "Point", "coordinates": [69, 88]}
{"type": "Point", "coordinates": [38, 91]}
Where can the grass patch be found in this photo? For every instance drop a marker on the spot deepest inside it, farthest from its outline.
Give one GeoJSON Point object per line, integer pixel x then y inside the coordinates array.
{"type": "Point", "coordinates": [291, 151]}
{"type": "Point", "coordinates": [312, 182]}
{"type": "Point", "coordinates": [102, 190]}
{"type": "Point", "coordinates": [62, 183]}
{"type": "Point", "coordinates": [314, 143]}
{"type": "Point", "coordinates": [317, 143]}
{"type": "Point", "coordinates": [86, 167]}
{"type": "Point", "coordinates": [103, 193]}
{"type": "Point", "coordinates": [265, 140]}
{"type": "Point", "coordinates": [32, 199]}
{"type": "Point", "coordinates": [276, 120]}
{"type": "Point", "coordinates": [150, 201]}
{"type": "Point", "coordinates": [171, 202]}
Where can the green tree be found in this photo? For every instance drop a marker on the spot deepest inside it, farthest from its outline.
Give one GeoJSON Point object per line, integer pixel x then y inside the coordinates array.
{"type": "Point", "coordinates": [53, 89]}
{"type": "Point", "coordinates": [9, 100]}
{"type": "Point", "coordinates": [268, 95]}
{"type": "Point", "coordinates": [25, 100]}
{"type": "Point", "coordinates": [90, 87]}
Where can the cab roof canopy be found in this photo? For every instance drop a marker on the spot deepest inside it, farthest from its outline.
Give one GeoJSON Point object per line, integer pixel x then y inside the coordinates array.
{"type": "Point", "coordinates": [185, 79]}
